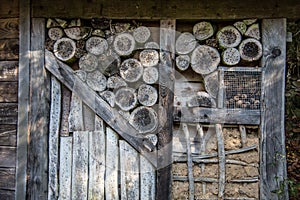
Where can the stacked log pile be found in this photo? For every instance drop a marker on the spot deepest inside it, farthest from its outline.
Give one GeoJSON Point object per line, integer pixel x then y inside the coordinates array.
{"type": "Point", "coordinates": [117, 60]}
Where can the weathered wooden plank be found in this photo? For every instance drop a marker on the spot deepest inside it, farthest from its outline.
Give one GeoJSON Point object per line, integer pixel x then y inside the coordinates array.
{"type": "Point", "coordinates": [232, 9]}
{"type": "Point", "coordinates": [65, 111]}
{"type": "Point", "coordinates": [8, 113]}
{"type": "Point", "coordinates": [273, 155]}
{"type": "Point", "coordinates": [7, 156]}
{"type": "Point", "coordinates": [166, 98]}
{"type": "Point", "coordinates": [65, 168]}
{"type": "Point", "coordinates": [112, 162]}
{"type": "Point", "coordinates": [7, 194]}
{"type": "Point", "coordinates": [129, 166]}
{"type": "Point", "coordinates": [76, 114]}
{"type": "Point", "coordinates": [23, 98]}
{"type": "Point", "coordinates": [100, 107]}
{"type": "Point", "coordinates": [9, 28]}
{"type": "Point", "coordinates": [9, 49]}
{"type": "Point", "coordinates": [222, 161]}
{"type": "Point", "coordinates": [97, 161]}
{"type": "Point", "coordinates": [8, 135]}
{"type": "Point", "coordinates": [88, 118]}
{"type": "Point", "coordinates": [39, 115]}
{"type": "Point", "coordinates": [7, 178]}
{"type": "Point", "coordinates": [147, 179]}
{"type": "Point", "coordinates": [217, 115]}
{"type": "Point", "coordinates": [8, 91]}
{"type": "Point", "coordinates": [184, 91]}
{"type": "Point", "coordinates": [8, 70]}
{"type": "Point", "coordinates": [9, 8]}
{"type": "Point", "coordinates": [53, 138]}
{"type": "Point", "coordinates": [80, 164]}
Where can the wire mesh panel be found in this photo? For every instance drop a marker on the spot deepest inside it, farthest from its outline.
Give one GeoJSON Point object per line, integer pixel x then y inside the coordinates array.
{"type": "Point", "coordinates": [242, 89]}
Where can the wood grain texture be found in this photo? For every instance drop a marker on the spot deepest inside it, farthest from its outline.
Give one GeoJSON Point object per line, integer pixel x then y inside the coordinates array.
{"type": "Point", "coordinates": [8, 135]}
{"type": "Point", "coordinates": [65, 168]}
{"type": "Point", "coordinates": [9, 70]}
{"type": "Point", "coordinates": [7, 178]}
{"type": "Point", "coordinates": [7, 156]}
{"type": "Point", "coordinates": [39, 115]}
{"type": "Point", "coordinates": [9, 28]}
{"type": "Point", "coordinates": [8, 113]}
{"type": "Point", "coordinates": [148, 179]}
{"type": "Point", "coordinates": [166, 98]}
{"type": "Point", "coordinates": [9, 8]}
{"type": "Point", "coordinates": [80, 164]}
{"type": "Point", "coordinates": [8, 91]}
{"type": "Point", "coordinates": [7, 194]}
{"type": "Point", "coordinates": [273, 155]}
{"type": "Point", "coordinates": [159, 9]}
{"type": "Point", "coordinates": [65, 111]}
{"type": "Point", "coordinates": [9, 49]}
{"type": "Point", "coordinates": [88, 118]}
{"type": "Point", "coordinates": [55, 109]}
{"type": "Point", "coordinates": [76, 114]}
{"type": "Point", "coordinates": [222, 161]}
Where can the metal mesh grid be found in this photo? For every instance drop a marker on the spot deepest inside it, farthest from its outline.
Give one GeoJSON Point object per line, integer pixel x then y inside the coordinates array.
{"type": "Point", "coordinates": [242, 89]}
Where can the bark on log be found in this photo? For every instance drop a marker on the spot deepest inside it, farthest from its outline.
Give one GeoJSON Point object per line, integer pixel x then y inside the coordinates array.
{"type": "Point", "coordinates": [185, 43]}
{"type": "Point", "coordinates": [231, 56]}
{"type": "Point", "coordinates": [124, 44]}
{"type": "Point", "coordinates": [211, 82]}
{"type": "Point", "coordinates": [109, 97]}
{"type": "Point", "coordinates": [96, 80]}
{"type": "Point", "coordinates": [147, 95]}
{"type": "Point", "coordinates": [141, 34]}
{"type": "Point", "coordinates": [109, 63]}
{"type": "Point", "coordinates": [241, 26]}
{"type": "Point", "coordinates": [131, 70]}
{"type": "Point", "coordinates": [96, 45]}
{"type": "Point", "coordinates": [229, 36]}
{"type": "Point", "coordinates": [151, 45]}
{"type": "Point", "coordinates": [203, 30]}
{"type": "Point", "coordinates": [144, 119]}
{"type": "Point", "coordinates": [115, 82]}
{"type": "Point", "coordinates": [202, 99]}
{"type": "Point", "coordinates": [250, 49]}
{"type": "Point", "coordinates": [55, 33]}
{"type": "Point", "coordinates": [183, 62]}
{"type": "Point", "coordinates": [88, 62]}
{"type": "Point", "coordinates": [253, 31]}
{"type": "Point", "coordinates": [78, 33]}
{"type": "Point", "coordinates": [205, 59]}
{"type": "Point", "coordinates": [149, 57]}
{"type": "Point", "coordinates": [150, 75]}
{"type": "Point", "coordinates": [64, 49]}
{"type": "Point", "coordinates": [126, 98]}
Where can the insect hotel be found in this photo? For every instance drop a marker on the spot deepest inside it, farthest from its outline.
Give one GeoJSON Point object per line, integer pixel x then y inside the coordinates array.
{"type": "Point", "coordinates": [143, 100]}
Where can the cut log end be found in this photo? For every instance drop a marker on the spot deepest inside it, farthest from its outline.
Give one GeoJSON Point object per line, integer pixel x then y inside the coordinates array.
{"type": "Point", "coordinates": [78, 33]}
{"type": "Point", "coordinates": [151, 45]}
{"type": "Point", "coordinates": [185, 43]}
{"type": "Point", "coordinates": [183, 62]}
{"type": "Point", "coordinates": [203, 30]}
{"type": "Point", "coordinates": [149, 57]}
{"type": "Point", "coordinates": [150, 75]}
{"type": "Point", "coordinates": [55, 33]}
{"type": "Point", "coordinates": [115, 82]}
{"type": "Point", "coordinates": [96, 80]}
{"type": "Point", "coordinates": [147, 95]}
{"type": "Point", "coordinates": [250, 49]}
{"type": "Point", "coordinates": [231, 56]}
{"type": "Point", "coordinates": [109, 63]}
{"type": "Point", "coordinates": [144, 119]}
{"type": "Point", "coordinates": [131, 70]}
{"type": "Point", "coordinates": [124, 44]}
{"type": "Point", "coordinates": [64, 49]}
{"type": "Point", "coordinates": [229, 36]}
{"type": "Point", "coordinates": [241, 26]}
{"type": "Point", "coordinates": [141, 34]}
{"type": "Point", "coordinates": [88, 62]}
{"type": "Point", "coordinates": [253, 31]}
{"type": "Point", "coordinates": [126, 98]}
{"type": "Point", "coordinates": [96, 45]}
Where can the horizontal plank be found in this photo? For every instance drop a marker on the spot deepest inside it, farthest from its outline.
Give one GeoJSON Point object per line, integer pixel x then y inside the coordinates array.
{"type": "Point", "coordinates": [176, 9]}
{"type": "Point", "coordinates": [9, 49]}
{"type": "Point", "coordinates": [7, 194]}
{"type": "Point", "coordinates": [8, 113]}
{"type": "Point", "coordinates": [9, 70]}
{"type": "Point", "coordinates": [7, 156]}
{"type": "Point", "coordinates": [216, 115]}
{"type": "Point", "coordinates": [9, 28]}
{"type": "Point", "coordinates": [8, 92]}
{"type": "Point", "coordinates": [9, 8]}
{"type": "Point", "coordinates": [8, 135]}
{"type": "Point", "coordinates": [7, 178]}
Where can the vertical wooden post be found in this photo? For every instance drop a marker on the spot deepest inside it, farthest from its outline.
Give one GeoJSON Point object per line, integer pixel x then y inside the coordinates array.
{"type": "Point", "coordinates": [166, 97]}
{"type": "Point", "coordinates": [39, 114]}
{"type": "Point", "coordinates": [273, 155]}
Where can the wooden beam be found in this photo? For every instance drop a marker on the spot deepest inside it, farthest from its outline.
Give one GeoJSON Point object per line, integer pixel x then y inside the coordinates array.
{"type": "Point", "coordinates": [8, 113]}
{"type": "Point", "coordinates": [65, 167]}
{"type": "Point", "coordinates": [9, 49]}
{"type": "Point", "coordinates": [9, 92]}
{"type": "Point", "coordinates": [39, 115]}
{"type": "Point", "coordinates": [9, 70]}
{"type": "Point", "coordinates": [165, 116]}
{"type": "Point", "coordinates": [7, 178]}
{"type": "Point", "coordinates": [216, 115]}
{"type": "Point", "coordinates": [9, 28]}
{"type": "Point", "coordinates": [273, 155]}
{"type": "Point", "coordinates": [7, 156]}
{"type": "Point", "coordinates": [8, 135]}
{"type": "Point", "coordinates": [23, 99]}
{"type": "Point", "coordinates": [10, 8]}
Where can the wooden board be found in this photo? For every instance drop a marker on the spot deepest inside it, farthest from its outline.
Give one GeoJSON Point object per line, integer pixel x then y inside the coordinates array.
{"type": "Point", "coordinates": [54, 138]}
{"type": "Point", "coordinates": [65, 111]}
{"type": "Point", "coordinates": [9, 28]}
{"type": "Point", "coordinates": [8, 113]}
{"type": "Point", "coordinates": [129, 166]}
{"type": "Point", "coordinates": [8, 91]}
{"type": "Point", "coordinates": [214, 9]}
{"type": "Point", "coordinates": [76, 114]}
{"type": "Point", "coordinates": [9, 49]}
{"type": "Point", "coordinates": [184, 91]}
{"type": "Point", "coordinates": [7, 194]}
{"type": "Point", "coordinates": [148, 181]}
{"type": "Point", "coordinates": [273, 155]}
{"type": "Point", "coordinates": [9, 8]}
{"type": "Point", "coordinates": [65, 167]}
{"type": "Point", "coordinates": [39, 115]}
{"type": "Point", "coordinates": [8, 70]}
{"type": "Point", "coordinates": [88, 118]}
{"type": "Point", "coordinates": [7, 178]}
{"type": "Point", "coordinates": [80, 164]}
{"type": "Point", "coordinates": [8, 135]}
{"type": "Point", "coordinates": [7, 156]}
